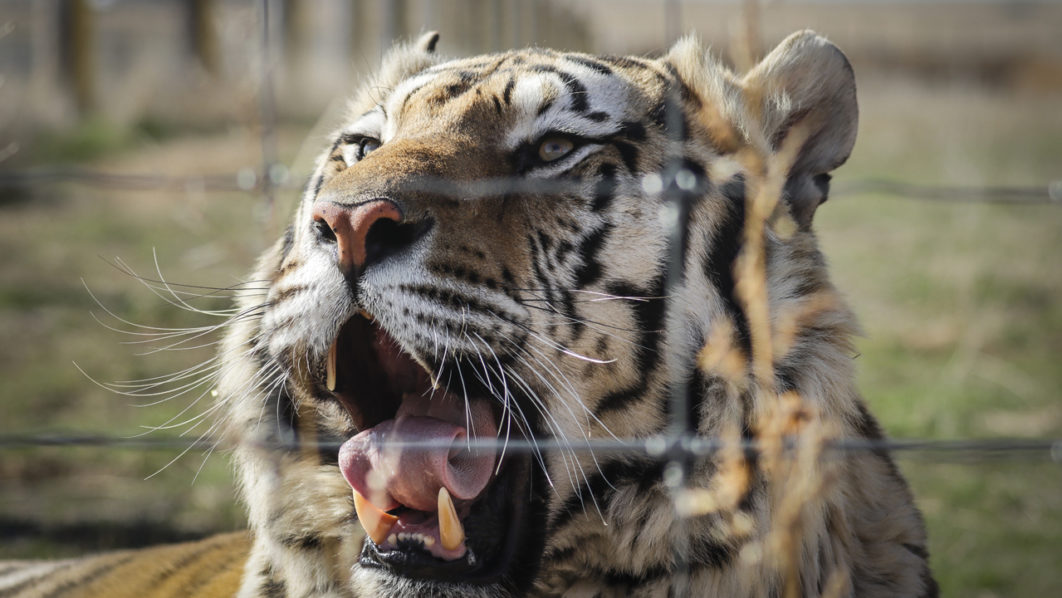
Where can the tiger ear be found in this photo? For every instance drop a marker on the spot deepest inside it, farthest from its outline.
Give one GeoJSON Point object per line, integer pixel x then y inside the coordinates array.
{"type": "Point", "coordinates": [806, 81]}
{"type": "Point", "coordinates": [427, 42]}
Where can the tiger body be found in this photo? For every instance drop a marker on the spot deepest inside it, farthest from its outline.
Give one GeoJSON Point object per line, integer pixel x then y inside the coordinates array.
{"type": "Point", "coordinates": [491, 229]}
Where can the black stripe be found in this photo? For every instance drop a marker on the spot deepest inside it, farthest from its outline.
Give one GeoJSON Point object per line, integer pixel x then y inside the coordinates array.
{"type": "Point", "coordinates": [685, 93]}
{"type": "Point", "coordinates": [81, 582]}
{"type": "Point", "coordinates": [317, 184]}
{"type": "Point", "coordinates": [589, 63]}
{"type": "Point", "coordinates": [507, 94]}
{"type": "Point", "coordinates": [459, 302]}
{"type": "Point", "coordinates": [288, 243]}
{"type": "Point", "coordinates": [301, 541]}
{"type": "Point", "coordinates": [561, 554]}
{"type": "Point", "coordinates": [919, 551]}
{"type": "Point", "coordinates": [633, 130]}
{"type": "Point", "coordinates": [723, 250]}
{"type": "Point", "coordinates": [629, 153]}
{"type": "Point", "coordinates": [194, 554]}
{"type": "Point", "coordinates": [628, 580]}
{"type": "Point", "coordinates": [575, 88]}
{"type": "Point", "coordinates": [590, 270]}
{"type": "Point", "coordinates": [603, 483]}
{"type": "Point", "coordinates": [627, 62]}
{"type": "Point", "coordinates": [604, 189]}
{"type": "Point", "coordinates": [708, 552]}
{"type": "Point", "coordinates": [650, 318]}
{"type": "Point", "coordinates": [930, 587]}
{"type": "Point", "coordinates": [288, 293]}
{"type": "Point", "coordinates": [210, 574]}
{"type": "Point", "coordinates": [273, 588]}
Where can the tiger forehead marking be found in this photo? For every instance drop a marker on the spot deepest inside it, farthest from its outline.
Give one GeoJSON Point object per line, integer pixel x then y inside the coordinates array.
{"type": "Point", "coordinates": [520, 94]}
{"type": "Point", "coordinates": [480, 254]}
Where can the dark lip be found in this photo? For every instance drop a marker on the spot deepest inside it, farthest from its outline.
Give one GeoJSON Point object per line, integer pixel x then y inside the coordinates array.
{"type": "Point", "coordinates": [487, 559]}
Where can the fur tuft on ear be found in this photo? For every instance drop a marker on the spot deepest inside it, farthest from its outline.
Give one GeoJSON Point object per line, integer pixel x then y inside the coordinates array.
{"type": "Point", "coordinates": [427, 42]}
{"type": "Point", "coordinates": [806, 80]}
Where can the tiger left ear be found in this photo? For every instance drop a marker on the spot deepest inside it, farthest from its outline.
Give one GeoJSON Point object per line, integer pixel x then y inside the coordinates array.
{"type": "Point", "coordinates": [806, 81]}
{"type": "Point", "coordinates": [427, 42]}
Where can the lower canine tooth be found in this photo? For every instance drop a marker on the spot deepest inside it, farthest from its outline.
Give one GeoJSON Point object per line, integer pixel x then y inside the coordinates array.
{"type": "Point", "coordinates": [330, 367]}
{"type": "Point", "coordinates": [451, 533]}
{"type": "Point", "coordinates": [377, 523]}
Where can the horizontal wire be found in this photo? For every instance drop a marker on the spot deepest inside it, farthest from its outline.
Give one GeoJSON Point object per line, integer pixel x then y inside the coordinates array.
{"type": "Point", "coordinates": [252, 181]}
{"type": "Point", "coordinates": [248, 180]}
{"type": "Point", "coordinates": [654, 446]}
{"type": "Point", "coordinates": [1036, 194]}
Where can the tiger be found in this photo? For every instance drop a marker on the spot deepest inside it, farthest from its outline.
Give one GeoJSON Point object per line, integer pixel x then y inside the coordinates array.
{"type": "Point", "coordinates": [504, 270]}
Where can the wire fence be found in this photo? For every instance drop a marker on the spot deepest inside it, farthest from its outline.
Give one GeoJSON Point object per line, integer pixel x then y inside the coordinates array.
{"type": "Point", "coordinates": [276, 176]}
{"type": "Point", "coordinates": [677, 447]}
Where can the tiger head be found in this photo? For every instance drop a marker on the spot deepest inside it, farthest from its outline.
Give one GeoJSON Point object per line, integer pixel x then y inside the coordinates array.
{"type": "Point", "coordinates": [486, 256]}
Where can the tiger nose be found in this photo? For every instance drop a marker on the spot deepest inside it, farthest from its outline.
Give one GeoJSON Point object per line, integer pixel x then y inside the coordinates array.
{"type": "Point", "coordinates": [350, 224]}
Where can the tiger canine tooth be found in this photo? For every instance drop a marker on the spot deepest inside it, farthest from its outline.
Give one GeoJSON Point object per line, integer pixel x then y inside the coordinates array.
{"type": "Point", "coordinates": [377, 523]}
{"type": "Point", "coordinates": [330, 367]}
{"type": "Point", "coordinates": [451, 534]}
{"type": "Point", "coordinates": [366, 315]}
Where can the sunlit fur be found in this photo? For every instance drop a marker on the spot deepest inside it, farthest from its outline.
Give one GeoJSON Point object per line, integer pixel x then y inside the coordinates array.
{"type": "Point", "coordinates": [548, 282]}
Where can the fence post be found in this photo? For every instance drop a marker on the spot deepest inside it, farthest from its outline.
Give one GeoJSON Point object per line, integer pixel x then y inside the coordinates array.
{"type": "Point", "coordinates": [202, 42]}
{"type": "Point", "coordinates": [393, 20]}
{"type": "Point", "coordinates": [294, 23]}
{"type": "Point", "coordinates": [77, 52]}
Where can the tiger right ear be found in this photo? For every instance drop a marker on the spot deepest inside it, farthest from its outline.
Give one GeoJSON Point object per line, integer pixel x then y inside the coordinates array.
{"type": "Point", "coordinates": [806, 81]}
{"type": "Point", "coordinates": [427, 42]}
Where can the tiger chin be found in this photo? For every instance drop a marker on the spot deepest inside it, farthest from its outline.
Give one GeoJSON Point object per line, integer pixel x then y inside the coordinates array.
{"type": "Point", "coordinates": [481, 255]}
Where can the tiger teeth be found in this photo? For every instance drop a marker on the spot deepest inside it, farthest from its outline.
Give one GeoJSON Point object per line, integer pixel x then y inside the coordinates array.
{"type": "Point", "coordinates": [451, 533]}
{"type": "Point", "coordinates": [377, 523]}
{"type": "Point", "coordinates": [366, 315]}
{"type": "Point", "coordinates": [330, 367]}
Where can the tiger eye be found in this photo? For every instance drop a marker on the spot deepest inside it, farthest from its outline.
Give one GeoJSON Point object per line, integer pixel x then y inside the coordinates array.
{"type": "Point", "coordinates": [554, 148]}
{"type": "Point", "coordinates": [367, 146]}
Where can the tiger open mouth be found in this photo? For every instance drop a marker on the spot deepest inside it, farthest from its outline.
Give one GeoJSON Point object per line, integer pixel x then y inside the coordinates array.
{"type": "Point", "coordinates": [433, 504]}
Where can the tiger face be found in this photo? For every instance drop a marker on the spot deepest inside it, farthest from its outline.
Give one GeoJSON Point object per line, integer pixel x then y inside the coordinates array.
{"type": "Point", "coordinates": [476, 284]}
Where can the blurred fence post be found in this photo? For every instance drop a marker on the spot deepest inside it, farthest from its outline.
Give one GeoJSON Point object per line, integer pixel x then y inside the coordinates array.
{"type": "Point", "coordinates": [77, 52]}
{"type": "Point", "coordinates": [672, 22]}
{"type": "Point", "coordinates": [749, 49]}
{"type": "Point", "coordinates": [202, 41]}
{"type": "Point", "coordinates": [294, 27]}
{"type": "Point", "coordinates": [393, 18]}
{"type": "Point", "coordinates": [529, 22]}
{"type": "Point", "coordinates": [358, 30]}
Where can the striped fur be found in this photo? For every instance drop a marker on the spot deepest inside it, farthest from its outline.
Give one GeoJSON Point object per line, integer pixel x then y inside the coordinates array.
{"type": "Point", "coordinates": [543, 283]}
{"type": "Point", "coordinates": [210, 568]}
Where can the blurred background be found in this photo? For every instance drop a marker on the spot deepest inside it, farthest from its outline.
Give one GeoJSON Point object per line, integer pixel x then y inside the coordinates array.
{"type": "Point", "coordinates": [171, 136]}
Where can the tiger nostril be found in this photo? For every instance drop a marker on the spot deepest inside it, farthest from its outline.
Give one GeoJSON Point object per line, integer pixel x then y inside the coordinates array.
{"type": "Point", "coordinates": [324, 230]}
{"type": "Point", "coordinates": [348, 226]}
{"type": "Point", "coordinates": [389, 237]}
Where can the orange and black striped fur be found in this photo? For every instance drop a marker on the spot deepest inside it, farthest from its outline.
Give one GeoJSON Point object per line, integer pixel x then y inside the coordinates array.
{"type": "Point", "coordinates": [210, 568]}
{"type": "Point", "coordinates": [488, 233]}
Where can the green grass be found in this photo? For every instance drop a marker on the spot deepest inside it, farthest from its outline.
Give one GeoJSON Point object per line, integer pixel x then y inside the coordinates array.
{"type": "Point", "coordinates": [963, 324]}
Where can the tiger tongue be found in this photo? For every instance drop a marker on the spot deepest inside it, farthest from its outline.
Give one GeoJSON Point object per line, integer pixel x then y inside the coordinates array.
{"type": "Point", "coordinates": [410, 476]}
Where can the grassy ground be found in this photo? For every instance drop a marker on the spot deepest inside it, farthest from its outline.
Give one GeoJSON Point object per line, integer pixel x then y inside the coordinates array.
{"type": "Point", "coordinates": [963, 324]}
{"type": "Point", "coordinates": [959, 303]}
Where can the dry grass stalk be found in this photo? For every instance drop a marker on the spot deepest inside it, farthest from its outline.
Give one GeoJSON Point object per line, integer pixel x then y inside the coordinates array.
{"type": "Point", "coordinates": [791, 433]}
